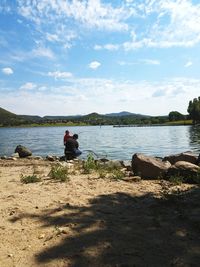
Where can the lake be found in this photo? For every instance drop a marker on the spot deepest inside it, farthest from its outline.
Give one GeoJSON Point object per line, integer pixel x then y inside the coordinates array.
{"type": "Point", "coordinates": [105, 141]}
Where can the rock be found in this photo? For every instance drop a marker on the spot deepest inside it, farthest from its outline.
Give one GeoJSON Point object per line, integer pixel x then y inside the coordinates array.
{"type": "Point", "coordinates": [15, 155]}
{"type": "Point", "coordinates": [190, 172]}
{"type": "Point", "coordinates": [148, 166]}
{"type": "Point", "coordinates": [62, 158]}
{"type": "Point", "coordinates": [132, 179]}
{"type": "Point", "coordinates": [113, 164]}
{"type": "Point", "coordinates": [23, 151]}
{"type": "Point", "coordinates": [11, 158]}
{"type": "Point", "coordinates": [185, 156]}
{"type": "Point", "coordinates": [198, 160]}
{"type": "Point", "coordinates": [103, 160]}
{"type": "Point", "coordinates": [41, 236]}
{"type": "Point", "coordinates": [51, 158]}
{"type": "Point", "coordinates": [127, 164]}
{"type": "Point", "coordinates": [35, 157]}
{"type": "Point", "coordinates": [184, 165]}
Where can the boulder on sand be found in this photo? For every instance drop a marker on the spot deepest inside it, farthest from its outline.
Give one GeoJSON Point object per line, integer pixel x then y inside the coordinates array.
{"type": "Point", "coordinates": [185, 156]}
{"type": "Point", "coordinates": [23, 151]}
{"type": "Point", "coordinates": [186, 170]}
{"type": "Point", "coordinates": [148, 166]}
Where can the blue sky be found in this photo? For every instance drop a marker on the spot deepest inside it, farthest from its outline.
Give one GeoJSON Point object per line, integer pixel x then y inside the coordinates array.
{"type": "Point", "coordinates": [70, 57]}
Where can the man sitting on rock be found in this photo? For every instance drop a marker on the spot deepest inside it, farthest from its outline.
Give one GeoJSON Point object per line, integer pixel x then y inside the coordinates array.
{"type": "Point", "coordinates": [71, 147]}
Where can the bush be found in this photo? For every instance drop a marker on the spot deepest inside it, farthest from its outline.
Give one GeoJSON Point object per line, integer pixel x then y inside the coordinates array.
{"type": "Point", "coordinates": [30, 179]}
{"type": "Point", "coordinates": [59, 173]}
{"type": "Point", "coordinates": [104, 170]}
{"type": "Point", "coordinates": [89, 164]}
{"type": "Point", "coordinates": [177, 180]}
{"type": "Point", "coordinates": [117, 174]}
{"type": "Point", "coordinates": [191, 178]}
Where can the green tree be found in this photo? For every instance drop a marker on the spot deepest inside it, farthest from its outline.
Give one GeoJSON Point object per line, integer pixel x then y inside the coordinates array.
{"type": "Point", "coordinates": [194, 110]}
{"type": "Point", "coordinates": [176, 116]}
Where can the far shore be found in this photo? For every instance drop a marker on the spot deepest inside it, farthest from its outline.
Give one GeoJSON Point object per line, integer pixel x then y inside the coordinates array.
{"type": "Point", "coordinates": [172, 123]}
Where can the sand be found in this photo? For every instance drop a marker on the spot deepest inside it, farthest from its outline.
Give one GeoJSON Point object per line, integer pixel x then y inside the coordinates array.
{"type": "Point", "coordinates": [91, 221]}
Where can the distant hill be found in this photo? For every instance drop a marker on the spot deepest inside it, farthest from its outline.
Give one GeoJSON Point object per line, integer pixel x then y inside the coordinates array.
{"type": "Point", "coordinates": [33, 118]}
{"type": "Point", "coordinates": [125, 113]}
{"type": "Point", "coordinates": [6, 116]}
{"type": "Point", "coordinates": [61, 117]}
{"type": "Point", "coordinates": [121, 118]}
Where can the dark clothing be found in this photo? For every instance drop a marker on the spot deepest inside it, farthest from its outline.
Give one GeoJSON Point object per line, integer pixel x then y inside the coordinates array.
{"type": "Point", "coordinates": [72, 145]}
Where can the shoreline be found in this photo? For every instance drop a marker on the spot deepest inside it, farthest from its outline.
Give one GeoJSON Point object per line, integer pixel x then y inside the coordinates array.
{"type": "Point", "coordinates": [175, 123]}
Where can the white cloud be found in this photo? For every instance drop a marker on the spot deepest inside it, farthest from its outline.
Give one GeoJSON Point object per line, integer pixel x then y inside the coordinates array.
{"type": "Point", "coordinates": [153, 98]}
{"type": "Point", "coordinates": [91, 13]}
{"type": "Point", "coordinates": [110, 47]}
{"type": "Point", "coordinates": [176, 23]}
{"type": "Point", "coordinates": [94, 65]}
{"type": "Point", "coordinates": [28, 86]}
{"type": "Point", "coordinates": [7, 71]}
{"type": "Point", "coordinates": [188, 64]}
{"type": "Point", "coordinates": [60, 75]}
{"type": "Point", "coordinates": [42, 52]}
{"type": "Point", "coordinates": [52, 37]}
{"type": "Point", "coordinates": [151, 61]}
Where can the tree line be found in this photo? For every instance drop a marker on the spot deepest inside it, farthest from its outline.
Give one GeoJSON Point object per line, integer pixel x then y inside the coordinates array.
{"type": "Point", "coordinates": [10, 119]}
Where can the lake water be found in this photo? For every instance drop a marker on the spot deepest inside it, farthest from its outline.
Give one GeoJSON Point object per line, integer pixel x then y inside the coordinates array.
{"type": "Point", "coordinates": [106, 141]}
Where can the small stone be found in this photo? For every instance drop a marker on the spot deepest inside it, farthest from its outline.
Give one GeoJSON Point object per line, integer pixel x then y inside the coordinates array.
{"type": "Point", "coordinates": [12, 212]}
{"type": "Point", "coordinates": [136, 178]}
{"type": "Point", "coordinates": [41, 236]}
{"type": "Point", "coordinates": [63, 231]}
{"type": "Point", "coordinates": [11, 158]}
{"type": "Point", "coordinates": [50, 158]}
{"type": "Point", "coordinates": [10, 255]}
{"type": "Point", "coordinates": [15, 155]}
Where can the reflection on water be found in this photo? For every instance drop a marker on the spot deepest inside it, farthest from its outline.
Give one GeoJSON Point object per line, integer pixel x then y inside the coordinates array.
{"type": "Point", "coordinates": [195, 138]}
{"type": "Point", "coordinates": [114, 143]}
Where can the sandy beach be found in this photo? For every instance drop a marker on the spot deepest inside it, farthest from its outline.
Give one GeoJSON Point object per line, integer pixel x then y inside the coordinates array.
{"type": "Point", "coordinates": [92, 221]}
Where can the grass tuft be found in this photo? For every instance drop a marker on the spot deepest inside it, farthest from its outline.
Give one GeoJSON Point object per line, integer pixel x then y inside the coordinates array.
{"type": "Point", "coordinates": [30, 179]}
{"type": "Point", "coordinates": [59, 173]}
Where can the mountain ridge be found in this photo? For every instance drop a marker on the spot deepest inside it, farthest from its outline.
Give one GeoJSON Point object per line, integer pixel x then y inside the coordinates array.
{"type": "Point", "coordinates": [8, 118]}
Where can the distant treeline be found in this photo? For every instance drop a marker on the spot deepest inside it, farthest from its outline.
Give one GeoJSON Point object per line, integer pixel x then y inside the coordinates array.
{"type": "Point", "coordinates": [123, 118]}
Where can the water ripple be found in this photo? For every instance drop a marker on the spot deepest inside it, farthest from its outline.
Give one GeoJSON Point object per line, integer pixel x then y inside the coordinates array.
{"type": "Point", "coordinates": [116, 143]}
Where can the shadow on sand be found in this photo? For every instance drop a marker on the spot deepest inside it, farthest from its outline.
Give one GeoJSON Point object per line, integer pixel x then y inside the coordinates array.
{"type": "Point", "coordinates": [126, 231]}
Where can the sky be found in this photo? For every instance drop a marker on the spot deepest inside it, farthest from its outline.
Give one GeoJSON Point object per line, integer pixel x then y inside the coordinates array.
{"type": "Point", "coordinates": [69, 57]}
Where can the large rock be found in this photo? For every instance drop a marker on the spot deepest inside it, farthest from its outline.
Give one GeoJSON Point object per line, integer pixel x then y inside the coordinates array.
{"type": "Point", "coordinates": [23, 151]}
{"type": "Point", "coordinates": [148, 166]}
{"type": "Point", "coordinates": [198, 160]}
{"type": "Point", "coordinates": [186, 170]}
{"type": "Point", "coordinates": [185, 156]}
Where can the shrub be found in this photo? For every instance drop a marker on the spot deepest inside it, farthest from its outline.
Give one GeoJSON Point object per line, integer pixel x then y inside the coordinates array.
{"type": "Point", "coordinates": [193, 178]}
{"type": "Point", "coordinates": [176, 179]}
{"type": "Point", "coordinates": [101, 172]}
{"type": "Point", "coordinates": [59, 173]}
{"type": "Point", "coordinates": [30, 179]}
{"type": "Point", "coordinates": [89, 164]}
{"type": "Point", "coordinates": [117, 174]}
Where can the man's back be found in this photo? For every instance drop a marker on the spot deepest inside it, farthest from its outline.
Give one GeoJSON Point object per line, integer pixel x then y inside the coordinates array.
{"type": "Point", "coordinates": [71, 145]}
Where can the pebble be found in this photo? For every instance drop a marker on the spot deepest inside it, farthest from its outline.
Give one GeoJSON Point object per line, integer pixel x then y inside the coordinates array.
{"type": "Point", "coordinates": [41, 236]}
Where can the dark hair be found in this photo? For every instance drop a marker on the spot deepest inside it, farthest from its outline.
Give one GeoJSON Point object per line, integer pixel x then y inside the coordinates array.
{"type": "Point", "coordinates": [67, 132]}
{"type": "Point", "coordinates": [75, 136]}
